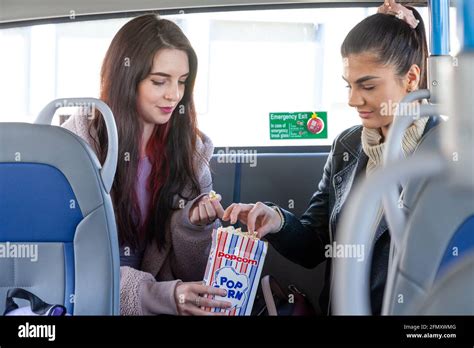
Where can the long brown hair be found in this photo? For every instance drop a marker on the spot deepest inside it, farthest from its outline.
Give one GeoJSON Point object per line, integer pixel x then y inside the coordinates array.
{"type": "Point", "coordinates": [172, 146]}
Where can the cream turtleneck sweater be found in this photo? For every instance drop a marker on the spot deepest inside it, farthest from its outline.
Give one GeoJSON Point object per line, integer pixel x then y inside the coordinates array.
{"type": "Point", "coordinates": [374, 149]}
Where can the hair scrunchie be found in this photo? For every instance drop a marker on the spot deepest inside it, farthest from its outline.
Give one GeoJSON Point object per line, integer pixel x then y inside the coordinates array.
{"type": "Point", "coordinates": [390, 7]}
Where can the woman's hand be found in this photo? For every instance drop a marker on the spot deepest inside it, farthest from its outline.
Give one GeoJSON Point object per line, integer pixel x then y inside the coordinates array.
{"type": "Point", "coordinates": [189, 299]}
{"type": "Point", "coordinates": [258, 217]}
{"type": "Point", "coordinates": [206, 210]}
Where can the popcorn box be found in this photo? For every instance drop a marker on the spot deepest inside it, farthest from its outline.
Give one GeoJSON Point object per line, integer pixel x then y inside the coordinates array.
{"type": "Point", "coordinates": [235, 264]}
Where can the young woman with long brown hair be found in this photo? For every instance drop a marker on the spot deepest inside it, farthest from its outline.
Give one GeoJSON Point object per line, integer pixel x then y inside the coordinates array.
{"type": "Point", "coordinates": [163, 213]}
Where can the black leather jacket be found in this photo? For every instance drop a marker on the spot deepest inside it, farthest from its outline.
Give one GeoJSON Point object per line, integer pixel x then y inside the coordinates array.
{"type": "Point", "coordinates": [303, 240]}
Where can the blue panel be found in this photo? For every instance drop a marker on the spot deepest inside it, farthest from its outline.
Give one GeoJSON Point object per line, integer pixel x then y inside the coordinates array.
{"type": "Point", "coordinates": [463, 240]}
{"type": "Point", "coordinates": [466, 24]}
{"type": "Point", "coordinates": [69, 277]}
{"type": "Point", "coordinates": [439, 17]}
{"type": "Point", "coordinates": [37, 204]}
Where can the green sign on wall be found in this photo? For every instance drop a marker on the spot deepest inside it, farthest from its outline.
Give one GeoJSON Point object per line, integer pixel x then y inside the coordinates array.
{"type": "Point", "coordinates": [298, 125]}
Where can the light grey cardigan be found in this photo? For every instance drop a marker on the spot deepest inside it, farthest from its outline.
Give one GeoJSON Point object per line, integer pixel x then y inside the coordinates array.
{"type": "Point", "coordinates": [183, 258]}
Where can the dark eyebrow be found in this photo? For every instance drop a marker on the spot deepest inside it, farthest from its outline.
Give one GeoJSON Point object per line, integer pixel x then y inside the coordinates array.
{"type": "Point", "coordinates": [167, 75]}
{"type": "Point", "coordinates": [363, 79]}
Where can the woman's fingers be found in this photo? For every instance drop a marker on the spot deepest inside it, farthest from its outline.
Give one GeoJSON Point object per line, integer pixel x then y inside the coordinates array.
{"type": "Point", "coordinates": [206, 210]}
{"type": "Point", "coordinates": [194, 218]}
{"type": "Point", "coordinates": [192, 306]}
{"type": "Point", "coordinates": [209, 303]}
{"type": "Point", "coordinates": [227, 212]}
{"type": "Point", "coordinates": [210, 210]}
{"type": "Point", "coordinates": [192, 302]}
{"type": "Point", "coordinates": [263, 230]}
{"type": "Point", "coordinates": [216, 203]}
{"type": "Point", "coordinates": [203, 217]}
{"type": "Point", "coordinates": [263, 220]}
{"type": "Point", "coordinates": [267, 228]}
{"type": "Point", "coordinates": [203, 212]}
{"type": "Point", "coordinates": [258, 217]}
{"type": "Point", "coordinates": [210, 290]}
{"type": "Point", "coordinates": [239, 212]}
{"type": "Point", "coordinates": [234, 215]}
{"type": "Point", "coordinates": [257, 211]}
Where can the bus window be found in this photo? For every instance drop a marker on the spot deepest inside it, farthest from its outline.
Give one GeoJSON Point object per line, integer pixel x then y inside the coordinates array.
{"type": "Point", "coordinates": [251, 63]}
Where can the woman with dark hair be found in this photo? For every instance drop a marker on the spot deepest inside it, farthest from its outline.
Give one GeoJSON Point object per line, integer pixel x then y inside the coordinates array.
{"type": "Point", "coordinates": [160, 193]}
{"type": "Point", "coordinates": [384, 59]}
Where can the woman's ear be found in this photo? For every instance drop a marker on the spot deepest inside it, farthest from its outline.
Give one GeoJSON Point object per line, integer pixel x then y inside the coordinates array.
{"type": "Point", "coordinates": [413, 78]}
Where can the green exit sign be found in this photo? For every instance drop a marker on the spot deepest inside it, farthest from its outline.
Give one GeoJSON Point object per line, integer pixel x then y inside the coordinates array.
{"type": "Point", "coordinates": [298, 125]}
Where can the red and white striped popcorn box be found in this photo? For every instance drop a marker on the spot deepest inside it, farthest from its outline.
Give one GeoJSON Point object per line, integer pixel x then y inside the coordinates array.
{"type": "Point", "coordinates": [235, 264]}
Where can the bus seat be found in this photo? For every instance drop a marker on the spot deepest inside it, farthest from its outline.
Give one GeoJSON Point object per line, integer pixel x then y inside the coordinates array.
{"type": "Point", "coordinates": [413, 188]}
{"type": "Point", "coordinates": [438, 235]}
{"type": "Point", "coordinates": [453, 292]}
{"type": "Point", "coordinates": [57, 224]}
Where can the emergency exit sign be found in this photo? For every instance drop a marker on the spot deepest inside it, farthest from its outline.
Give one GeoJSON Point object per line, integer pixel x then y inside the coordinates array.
{"type": "Point", "coordinates": [298, 125]}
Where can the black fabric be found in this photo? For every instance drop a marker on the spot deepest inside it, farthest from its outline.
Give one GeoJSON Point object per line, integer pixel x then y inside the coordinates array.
{"type": "Point", "coordinates": [38, 306]}
{"type": "Point", "coordinates": [303, 240]}
{"type": "Point", "coordinates": [378, 272]}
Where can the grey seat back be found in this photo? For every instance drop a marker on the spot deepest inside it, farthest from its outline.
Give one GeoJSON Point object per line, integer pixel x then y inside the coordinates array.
{"type": "Point", "coordinates": [453, 294]}
{"type": "Point", "coordinates": [58, 236]}
{"type": "Point", "coordinates": [437, 236]}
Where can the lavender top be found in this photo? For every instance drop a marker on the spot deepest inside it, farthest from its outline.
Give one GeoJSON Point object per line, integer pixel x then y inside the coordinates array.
{"type": "Point", "coordinates": [141, 187]}
{"type": "Point", "coordinates": [129, 257]}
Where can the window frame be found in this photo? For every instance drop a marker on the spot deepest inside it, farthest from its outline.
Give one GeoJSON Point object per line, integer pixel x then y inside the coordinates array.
{"type": "Point", "coordinates": [224, 8]}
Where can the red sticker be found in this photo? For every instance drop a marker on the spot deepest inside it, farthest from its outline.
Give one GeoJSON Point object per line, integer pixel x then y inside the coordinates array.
{"type": "Point", "coordinates": [315, 125]}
